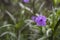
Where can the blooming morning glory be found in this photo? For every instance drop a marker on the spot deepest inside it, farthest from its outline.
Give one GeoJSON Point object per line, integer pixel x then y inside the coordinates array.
{"type": "Point", "coordinates": [26, 1]}
{"type": "Point", "coordinates": [40, 20]}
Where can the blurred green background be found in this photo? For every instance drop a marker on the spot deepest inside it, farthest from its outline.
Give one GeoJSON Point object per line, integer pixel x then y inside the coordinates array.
{"type": "Point", "coordinates": [16, 23]}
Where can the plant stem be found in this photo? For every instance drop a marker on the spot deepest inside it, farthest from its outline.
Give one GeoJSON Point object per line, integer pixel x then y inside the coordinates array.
{"type": "Point", "coordinates": [53, 32]}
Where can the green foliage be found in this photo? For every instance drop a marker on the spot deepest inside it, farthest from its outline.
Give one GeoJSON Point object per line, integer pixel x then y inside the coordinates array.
{"type": "Point", "coordinates": [58, 12]}
{"type": "Point", "coordinates": [56, 2]}
{"type": "Point", "coordinates": [16, 23]}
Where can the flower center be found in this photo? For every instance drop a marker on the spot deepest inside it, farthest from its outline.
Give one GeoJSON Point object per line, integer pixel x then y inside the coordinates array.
{"type": "Point", "coordinates": [40, 19]}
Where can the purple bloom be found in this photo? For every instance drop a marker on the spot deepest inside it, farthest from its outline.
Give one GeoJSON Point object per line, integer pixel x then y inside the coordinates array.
{"type": "Point", "coordinates": [26, 1]}
{"type": "Point", "coordinates": [40, 20]}
{"type": "Point", "coordinates": [33, 18]}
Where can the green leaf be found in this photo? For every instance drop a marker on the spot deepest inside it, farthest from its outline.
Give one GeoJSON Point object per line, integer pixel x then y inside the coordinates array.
{"type": "Point", "coordinates": [58, 12]}
{"type": "Point", "coordinates": [19, 24]}
{"type": "Point", "coordinates": [56, 2]}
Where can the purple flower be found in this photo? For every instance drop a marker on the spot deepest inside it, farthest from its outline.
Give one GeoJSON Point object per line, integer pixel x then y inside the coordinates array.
{"type": "Point", "coordinates": [26, 1]}
{"type": "Point", "coordinates": [40, 20]}
{"type": "Point", "coordinates": [33, 18]}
